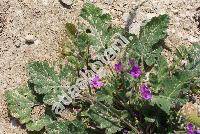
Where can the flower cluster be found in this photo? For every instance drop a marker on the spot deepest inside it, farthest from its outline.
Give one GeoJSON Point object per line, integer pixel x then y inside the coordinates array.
{"type": "Point", "coordinates": [135, 72]}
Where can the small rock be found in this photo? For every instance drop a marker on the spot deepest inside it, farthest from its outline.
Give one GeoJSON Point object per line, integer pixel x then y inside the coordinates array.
{"type": "Point", "coordinates": [104, 11]}
{"type": "Point", "coordinates": [93, 1]}
{"type": "Point", "coordinates": [149, 16]}
{"type": "Point", "coordinates": [109, 2]}
{"type": "Point", "coordinates": [17, 45]}
{"type": "Point", "coordinates": [193, 39]}
{"type": "Point", "coordinates": [125, 16]}
{"type": "Point", "coordinates": [67, 2]}
{"type": "Point", "coordinates": [14, 122]}
{"type": "Point", "coordinates": [184, 63]}
{"type": "Point", "coordinates": [30, 39]}
{"type": "Point", "coordinates": [173, 31]}
{"type": "Point", "coordinates": [175, 11]}
{"type": "Point", "coordinates": [135, 28]}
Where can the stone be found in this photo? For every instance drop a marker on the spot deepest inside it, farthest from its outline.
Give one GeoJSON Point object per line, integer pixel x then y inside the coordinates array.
{"type": "Point", "coordinates": [66, 3]}
{"type": "Point", "coordinates": [125, 16]}
{"type": "Point", "coordinates": [29, 39]}
{"type": "Point", "coordinates": [149, 16]}
{"type": "Point", "coordinates": [109, 2]}
{"type": "Point", "coordinates": [93, 1]}
{"type": "Point", "coordinates": [193, 39]}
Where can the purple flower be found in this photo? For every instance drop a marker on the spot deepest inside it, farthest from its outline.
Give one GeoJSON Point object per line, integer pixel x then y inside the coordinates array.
{"type": "Point", "coordinates": [95, 82]}
{"type": "Point", "coordinates": [145, 92]}
{"type": "Point", "coordinates": [191, 130]}
{"type": "Point", "coordinates": [197, 131]}
{"type": "Point", "coordinates": [136, 72]}
{"type": "Point", "coordinates": [125, 131]}
{"type": "Point", "coordinates": [118, 67]}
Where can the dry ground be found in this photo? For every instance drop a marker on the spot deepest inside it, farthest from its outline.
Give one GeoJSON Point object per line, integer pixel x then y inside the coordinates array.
{"type": "Point", "coordinates": [45, 19]}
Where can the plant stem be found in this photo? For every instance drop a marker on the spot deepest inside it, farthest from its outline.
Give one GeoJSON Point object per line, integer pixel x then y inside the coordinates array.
{"type": "Point", "coordinates": [87, 65]}
{"type": "Point", "coordinates": [112, 112]}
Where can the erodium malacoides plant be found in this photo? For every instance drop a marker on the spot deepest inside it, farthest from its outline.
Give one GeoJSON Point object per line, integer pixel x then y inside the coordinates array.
{"type": "Point", "coordinates": [141, 93]}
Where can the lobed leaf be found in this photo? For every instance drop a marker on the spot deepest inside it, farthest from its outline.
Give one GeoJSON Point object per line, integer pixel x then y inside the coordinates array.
{"type": "Point", "coordinates": [100, 27]}
{"type": "Point", "coordinates": [46, 81]}
{"type": "Point", "coordinates": [20, 103]}
{"type": "Point", "coordinates": [147, 47]}
{"type": "Point", "coordinates": [154, 31]}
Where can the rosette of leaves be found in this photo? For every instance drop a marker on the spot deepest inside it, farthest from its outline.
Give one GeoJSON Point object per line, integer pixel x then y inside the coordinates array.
{"type": "Point", "coordinates": [47, 84]}
{"type": "Point", "coordinates": [111, 110]}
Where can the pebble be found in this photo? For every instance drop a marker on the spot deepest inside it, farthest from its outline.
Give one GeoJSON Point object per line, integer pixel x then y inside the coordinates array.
{"type": "Point", "coordinates": [184, 62]}
{"type": "Point", "coordinates": [149, 16]}
{"type": "Point", "coordinates": [193, 39]}
{"type": "Point", "coordinates": [125, 16]}
{"type": "Point", "coordinates": [14, 122]}
{"type": "Point", "coordinates": [93, 1]}
{"type": "Point", "coordinates": [104, 11]}
{"type": "Point", "coordinates": [109, 2]}
{"type": "Point", "coordinates": [67, 2]}
{"type": "Point", "coordinates": [135, 28]}
{"type": "Point", "coordinates": [29, 39]}
{"type": "Point", "coordinates": [175, 11]}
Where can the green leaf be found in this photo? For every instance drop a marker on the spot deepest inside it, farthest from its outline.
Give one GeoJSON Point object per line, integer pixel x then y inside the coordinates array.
{"type": "Point", "coordinates": [46, 81]}
{"type": "Point", "coordinates": [154, 31]}
{"type": "Point", "coordinates": [105, 98]}
{"type": "Point", "coordinates": [162, 102]}
{"type": "Point", "coordinates": [67, 73]}
{"type": "Point", "coordinates": [149, 119]}
{"type": "Point", "coordinates": [102, 117]}
{"type": "Point", "coordinates": [147, 47]}
{"type": "Point", "coordinates": [66, 127]}
{"type": "Point", "coordinates": [71, 30]}
{"type": "Point", "coordinates": [100, 27]}
{"type": "Point", "coordinates": [160, 73]}
{"type": "Point", "coordinates": [43, 76]}
{"type": "Point", "coordinates": [172, 86]}
{"type": "Point", "coordinates": [20, 103]}
{"type": "Point", "coordinates": [39, 124]}
{"type": "Point", "coordinates": [133, 49]}
{"type": "Point", "coordinates": [95, 16]}
{"type": "Point", "coordinates": [182, 52]}
{"type": "Point", "coordinates": [82, 42]}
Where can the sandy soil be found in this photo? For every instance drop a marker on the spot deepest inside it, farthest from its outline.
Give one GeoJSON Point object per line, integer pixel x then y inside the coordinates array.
{"type": "Point", "coordinates": [45, 19]}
